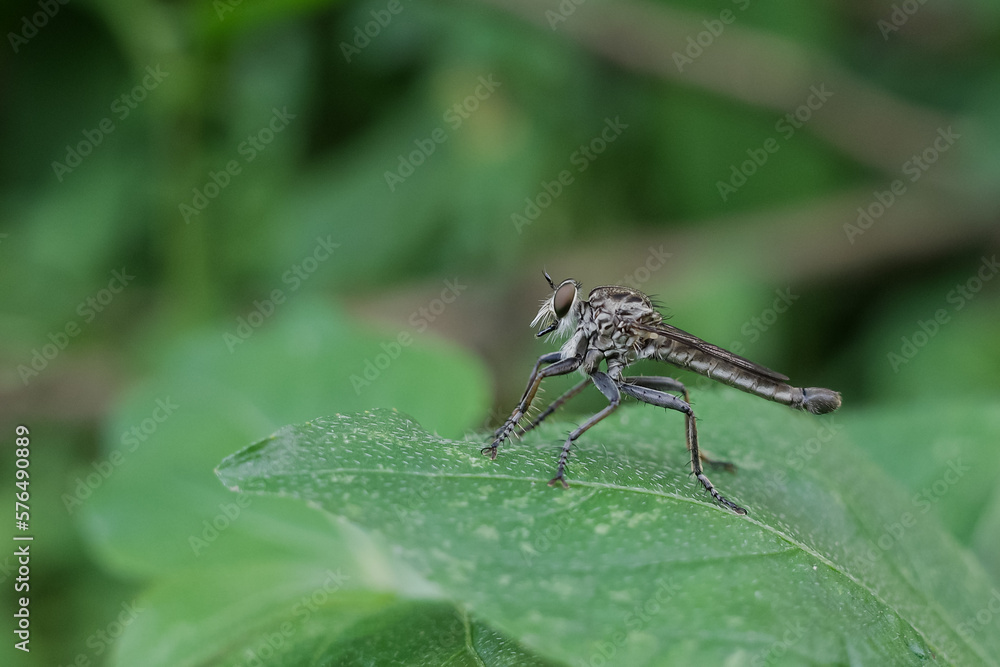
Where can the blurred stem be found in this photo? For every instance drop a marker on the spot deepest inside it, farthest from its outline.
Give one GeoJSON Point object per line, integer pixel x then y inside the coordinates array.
{"type": "Point", "coordinates": [185, 246]}
{"type": "Point", "coordinates": [152, 34]}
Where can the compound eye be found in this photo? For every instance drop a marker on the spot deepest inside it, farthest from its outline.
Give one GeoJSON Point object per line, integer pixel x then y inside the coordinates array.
{"type": "Point", "coordinates": [563, 299]}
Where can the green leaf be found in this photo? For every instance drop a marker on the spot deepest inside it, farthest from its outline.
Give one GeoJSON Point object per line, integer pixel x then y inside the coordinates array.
{"type": "Point", "coordinates": [150, 504]}
{"type": "Point", "coordinates": [422, 633]}
{"type": "Point", "coordinates": [944, 451]}
{"type": "Point", "coordinates": [300, 613]}
{"type": "Point", "coordinates": [634, 564]}
{"type": "Point", "coordinates": [924, 439]}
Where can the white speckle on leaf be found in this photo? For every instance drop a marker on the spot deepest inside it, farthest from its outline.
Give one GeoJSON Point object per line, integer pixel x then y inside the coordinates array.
{"type": "Point", "coordinates": [413, 494]}
{"type": "Point", "coordinates": [642, 517]}
{"type": "Point", "coordinates": [737, 659]}
{"type": "Point", "coordinates": [620, 596]}
{"type": "Point", "coordinates": [562, 588]}
{"type": "Point", "coordinates": [487, 532]}
{"type": "Point", "coordinates": [619, 516]}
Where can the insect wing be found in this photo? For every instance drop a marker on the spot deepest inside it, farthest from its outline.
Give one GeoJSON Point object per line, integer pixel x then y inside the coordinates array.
{"type": "Point", "coordinates": [673, 333]}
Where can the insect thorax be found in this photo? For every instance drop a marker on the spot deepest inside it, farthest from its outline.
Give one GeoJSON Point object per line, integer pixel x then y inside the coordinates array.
{"type": "Point", "coordinates": [606, 325]}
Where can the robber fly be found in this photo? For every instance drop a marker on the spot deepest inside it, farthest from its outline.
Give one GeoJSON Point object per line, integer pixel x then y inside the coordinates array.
{"type": "Point", "coordinates": [619, 325]}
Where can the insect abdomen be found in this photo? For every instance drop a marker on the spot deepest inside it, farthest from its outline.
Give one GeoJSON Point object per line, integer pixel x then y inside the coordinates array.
{"type": "Point", "coordinates": [813, 399]}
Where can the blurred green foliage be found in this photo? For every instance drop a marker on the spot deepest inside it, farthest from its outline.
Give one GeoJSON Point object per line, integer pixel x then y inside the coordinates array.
{"type": "Point", "coordinates": [196, 213]}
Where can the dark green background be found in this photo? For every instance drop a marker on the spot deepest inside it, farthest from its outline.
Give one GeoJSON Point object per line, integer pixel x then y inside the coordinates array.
{"type": "Point", "coordinates": [450, 230]}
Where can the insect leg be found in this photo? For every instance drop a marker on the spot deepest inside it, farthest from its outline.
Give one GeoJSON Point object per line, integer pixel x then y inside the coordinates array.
{"type": "Point", "coordinates": [553, 406]}
{"type": "Point", "coordinates": [664, 400]}
{"type": "Point", "coordinates": [659, 382]}
{"type": "Point", "coordinates": [610, 391]}
{"type": "Point", "coordinates": [559, 367]}
{"type": "Point", "coordinates": [549, 358]}
{"type": "Point", "coordinates": [670, 384]}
